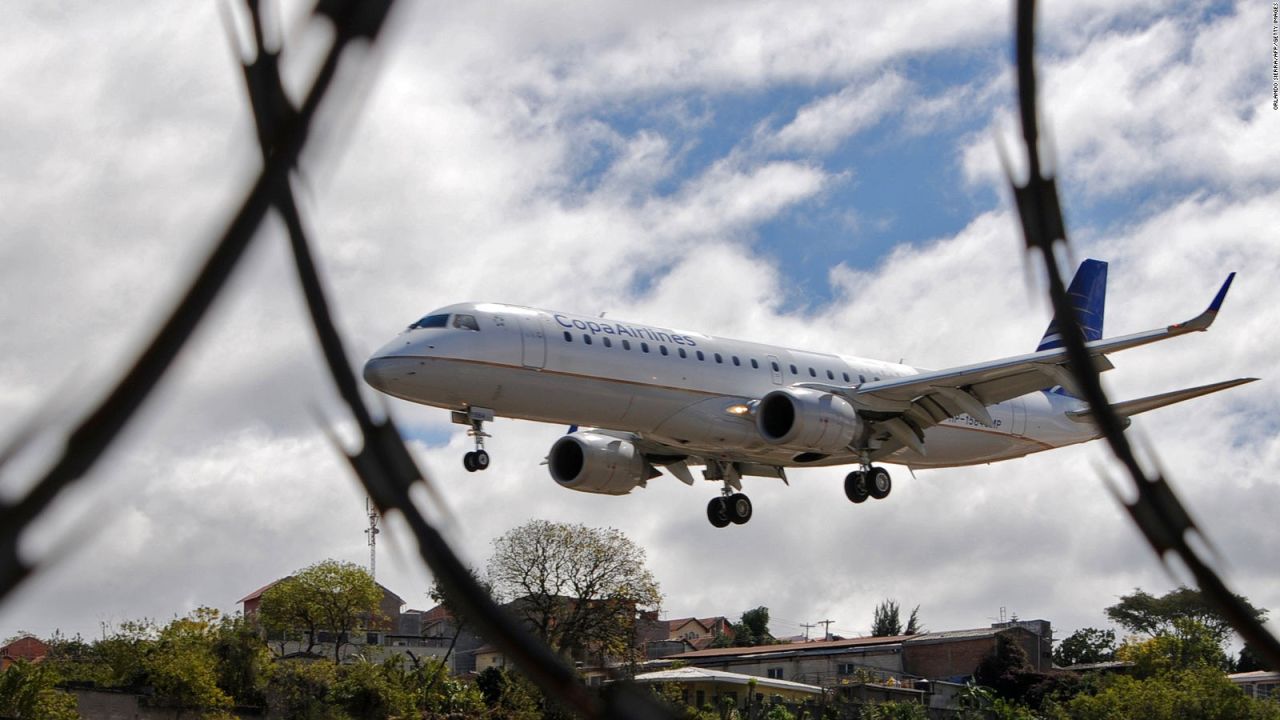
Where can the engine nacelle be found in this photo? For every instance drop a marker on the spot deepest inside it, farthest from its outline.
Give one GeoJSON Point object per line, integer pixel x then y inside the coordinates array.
{"type": "Point", "coordinates": [807, 420]}
{"type": "Point", "coordinates": [596, 463]}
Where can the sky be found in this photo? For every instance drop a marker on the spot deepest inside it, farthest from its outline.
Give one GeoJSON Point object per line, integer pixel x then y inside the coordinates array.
{"type": "Point", "coordinates": [820, 175]}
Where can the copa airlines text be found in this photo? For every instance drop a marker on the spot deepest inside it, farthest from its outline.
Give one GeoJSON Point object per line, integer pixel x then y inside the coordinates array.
{"type": "Point", "coordinates": [649, 397]}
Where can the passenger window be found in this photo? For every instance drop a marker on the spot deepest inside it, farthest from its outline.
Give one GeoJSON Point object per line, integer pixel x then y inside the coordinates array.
{"type": "Point", "coordinates": [431, 321]}
{"type": "Point", "coordinates": [831, 375]}
{"type": "Point", "coordinates": [607, 342]}
{"type": "Point", "coordinates": [567, 336]}
{"type": "Point", "coordinates": [774, 364]}
{"type": "Point", "coordinates": [846, 377]}
{"type": "Point", "coordinates": [701, 356]}
{"type": "Point", "coordinates": [862, 378]}
{"type": "Point", "coordinates": [626, 344]}
{"type": "Point", "coordinates": [813, 373]}
{"type": "Point", "coordinates": [586, 338]}
{"type": "Point", "coordinates": [719, 359]}
{"type": "Point", "coordinates": [466, 322]}
{"type": "Point", "coordinates": [663, 349]}
{"type": "Point", "coordinates": [683, 354]}
{"type": "Point", "coordinates": [735, 361]}
{"type": "Point", "coordinates": [794, 371]}
{"type": "Point", "coordinates": [644, 347]}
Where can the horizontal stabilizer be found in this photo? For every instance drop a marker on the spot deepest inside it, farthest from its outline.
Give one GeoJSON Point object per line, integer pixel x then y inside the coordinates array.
{"type": "Point", "coordinates": [1141, 405]}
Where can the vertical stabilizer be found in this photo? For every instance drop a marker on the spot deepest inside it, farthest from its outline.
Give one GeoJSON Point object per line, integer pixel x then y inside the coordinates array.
{"type": "Point", "coordinates": [1088, 294]}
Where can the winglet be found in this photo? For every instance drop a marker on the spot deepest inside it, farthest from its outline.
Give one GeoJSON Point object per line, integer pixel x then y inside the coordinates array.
{"type": "Point", "coordinates": [1206, 318]}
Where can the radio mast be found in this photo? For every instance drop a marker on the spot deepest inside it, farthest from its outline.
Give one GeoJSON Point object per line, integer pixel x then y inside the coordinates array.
{"type": "Point", "coordinates": [372, 532]}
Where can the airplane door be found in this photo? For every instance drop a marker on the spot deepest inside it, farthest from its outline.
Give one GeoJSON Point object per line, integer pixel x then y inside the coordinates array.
{"type": "Point", "coordinates": [1018, 415]}
{"type": "Point", "coordinates": [534, 340]}
{"type": "Point", "coordinates": [775, 367]}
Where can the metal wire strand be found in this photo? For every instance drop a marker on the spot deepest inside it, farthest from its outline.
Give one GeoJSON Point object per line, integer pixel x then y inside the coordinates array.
{"type": "Point", "coordinates": [1157, 511]}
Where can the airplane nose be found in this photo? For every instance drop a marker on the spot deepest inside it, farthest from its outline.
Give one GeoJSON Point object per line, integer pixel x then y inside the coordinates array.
{"type": "Point", "coordinates": [375, 372]}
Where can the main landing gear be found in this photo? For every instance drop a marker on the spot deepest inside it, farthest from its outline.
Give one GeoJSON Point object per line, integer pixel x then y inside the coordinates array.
{"type": "Point", "coordinates": [871, 481]}
{"type": "Point", "coordinates": [475, 418]}
{"type": "Point", "coordinates": [732, 506]}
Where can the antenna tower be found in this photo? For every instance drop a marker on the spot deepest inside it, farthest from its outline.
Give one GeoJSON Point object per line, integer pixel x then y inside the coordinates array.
{"type": "Point", "coordinates": [372, 532]}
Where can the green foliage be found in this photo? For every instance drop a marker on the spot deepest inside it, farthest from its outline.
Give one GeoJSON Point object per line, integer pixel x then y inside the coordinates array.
{"type": "Point", "coordinates": [913, 623]}
{"type": "Point", "coordinates": [1086, 645]}
{"type": "Point", "coordinates": [1200, 694]}
{"type": "Point", "coordinates": [1188, 645]}
{"type": "Point", "coordinates": [897, 711]}
{"type": "Point", "coordinates": [1141, 612]}
{"type": "Point", "coordinates": [27, 693]}
{"type": "Point", "coordinates": [887, 621]}
{"type": "Point", "coordinates": [299, 690]}
{"type": "Point", "coordinates": [779, 712]}
{"type": "Point", "coordinates": [752, 629]}
{"type": "Point", "coordinates": [371, 692]}
{"type": "Point", "coordinates": [243, 660]}
{"type": "Point", "coordinates": [337, 597]}
{"type": "Point", "coordinates": [182, 666]}
{"type": "Point", "coordinates": [507, 694]}
{"type": "Point", "coordinates": [579, 588]}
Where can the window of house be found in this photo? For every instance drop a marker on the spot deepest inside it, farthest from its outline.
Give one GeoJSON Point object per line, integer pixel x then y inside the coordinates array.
{"type": "Point", "coordinates": [775, 673]}
{"type": "Point", "coordinates": [845, 669]}
{"type": "Point", "coordinates": [371, 638]}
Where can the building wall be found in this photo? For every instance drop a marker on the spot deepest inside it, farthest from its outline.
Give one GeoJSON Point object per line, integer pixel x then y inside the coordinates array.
{"type": "Point", "coordinates": [812, 669]}
{"type": "Point", "coordinates": [960, 657]}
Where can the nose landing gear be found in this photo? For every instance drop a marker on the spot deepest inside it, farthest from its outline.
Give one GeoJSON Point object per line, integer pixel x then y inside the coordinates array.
{"type": "Point", "coordinates": [475, 418]}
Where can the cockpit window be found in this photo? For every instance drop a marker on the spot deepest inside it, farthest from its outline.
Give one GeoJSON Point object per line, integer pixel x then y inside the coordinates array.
{"type": "Point", "coordinates": [431, 321]}
{"type": "Point", "coordinates": [466, 322]}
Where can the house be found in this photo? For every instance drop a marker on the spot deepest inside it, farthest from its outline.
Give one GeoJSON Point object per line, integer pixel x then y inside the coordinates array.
{"type": "Point", "coordinates": [28, 648]}
{"type": "Point", "coordinates": [897, 661]}
{"type": "Point", "coordinates": [1258, 684]}
{"type": "Point", "coordinates": [697, 687]}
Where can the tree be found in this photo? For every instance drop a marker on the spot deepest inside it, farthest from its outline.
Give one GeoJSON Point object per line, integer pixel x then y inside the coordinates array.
{"type": "Point", "coordinates": [751, 630]}
{"type": "Point", "coordinates": [182, 666]}
{"type": "Point", "coordinates": [27, 692]}
{"type": "Point", "coordinates": [337, 597]}
{"type": "Point", "coordinates": [578, 588]}
{"type": "Point", "coordinates": [1141, 612]}
{"type": "Point", "coordinates": [1181, 695]}
{"type": "Point", "coordinates": [1086, 645]}
{"type": "Point", "coordinates": [1187, 645]}
{"type": "Point", "coordinates": [887, 621]}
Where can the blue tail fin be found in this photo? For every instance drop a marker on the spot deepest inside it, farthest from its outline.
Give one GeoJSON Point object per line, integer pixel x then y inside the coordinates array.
{"type": "Point", "coordinates": [1088, 293]}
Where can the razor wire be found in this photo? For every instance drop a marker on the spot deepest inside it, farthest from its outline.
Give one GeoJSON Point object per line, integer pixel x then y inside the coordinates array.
{"type": "Point", "coordinates": [383, 463]}
{"type": "Point", "coordinates": [1161, 517]}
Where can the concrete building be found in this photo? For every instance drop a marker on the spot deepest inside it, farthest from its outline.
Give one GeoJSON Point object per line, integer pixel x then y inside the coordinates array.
{"type": "Point", "coordinates": [1258, 684]}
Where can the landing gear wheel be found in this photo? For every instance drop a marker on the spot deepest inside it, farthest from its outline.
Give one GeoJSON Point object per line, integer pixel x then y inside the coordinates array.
{"type": "Point", "coordinates": [739, 508]}
{"type": "Point", "coordinates": [480, 459]}
{"type": "Point", "coordinates": [855, 486]}
{"type": "Point", "coordinates": [469, 462]}
{"type": "Point", "coordinates": [878, 483]}
{"type": "Point", "coordinates": [718, 512]}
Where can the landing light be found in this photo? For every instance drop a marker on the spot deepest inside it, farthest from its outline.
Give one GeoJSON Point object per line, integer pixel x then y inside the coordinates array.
{"type": "Point", "coordinates": [737, 409]}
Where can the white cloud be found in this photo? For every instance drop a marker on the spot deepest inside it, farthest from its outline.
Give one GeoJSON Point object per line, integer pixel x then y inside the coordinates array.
{"type": "Point", "coordinates": [824, 124]}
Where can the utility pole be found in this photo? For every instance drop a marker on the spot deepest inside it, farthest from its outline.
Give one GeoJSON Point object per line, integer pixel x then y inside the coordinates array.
{"type": "Point", "coordinates": [826, 628]}
{"type": "Point", "coordinates": [806, 627]}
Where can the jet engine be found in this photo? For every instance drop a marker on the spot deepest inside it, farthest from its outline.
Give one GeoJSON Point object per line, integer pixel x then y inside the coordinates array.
{"type": "Point", "coordinates": [807, 420]}
{"type": "Point", "coordinates": [597, 463]}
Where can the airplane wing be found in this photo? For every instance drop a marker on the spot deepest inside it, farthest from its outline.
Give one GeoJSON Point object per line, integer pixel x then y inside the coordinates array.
{"type": "Point", "coordinates": [901, 408]}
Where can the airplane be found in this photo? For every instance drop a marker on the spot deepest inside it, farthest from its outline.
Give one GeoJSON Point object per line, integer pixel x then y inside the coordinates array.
{"type": "Point", "coordinates": [639, 397]}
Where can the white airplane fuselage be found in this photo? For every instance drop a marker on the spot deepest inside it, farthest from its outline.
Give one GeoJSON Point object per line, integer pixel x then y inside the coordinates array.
{"type": "Point", "coordinates": [687, 391]}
